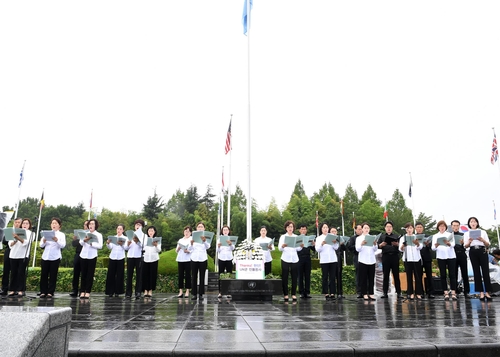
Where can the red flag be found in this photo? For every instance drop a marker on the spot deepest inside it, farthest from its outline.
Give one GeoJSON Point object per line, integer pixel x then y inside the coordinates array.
{"type": "Point", "coordinates": [91, 194]}
{"type": "Point", "coordinates": [386, 214]}
{"type": "Point", "coordinates": [317, 223]}
{"type": "Point", "coordinates": [228, 138]}
{"type": "Point", "coordinates": [494, 150]}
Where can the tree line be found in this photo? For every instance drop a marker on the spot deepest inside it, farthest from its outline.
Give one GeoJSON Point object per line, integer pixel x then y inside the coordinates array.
{"type": "Point", "coordinates": [190, 207]}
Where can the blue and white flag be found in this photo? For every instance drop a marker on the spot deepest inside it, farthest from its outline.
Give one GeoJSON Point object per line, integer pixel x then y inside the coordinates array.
{"type": "Point", "coordinates": [21, 176]}
{"type": "Point", "coordinates": [246, 24]}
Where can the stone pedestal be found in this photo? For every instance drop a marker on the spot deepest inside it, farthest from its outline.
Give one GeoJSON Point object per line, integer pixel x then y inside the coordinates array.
{"type": "Point", "coordinates": [251, 290]}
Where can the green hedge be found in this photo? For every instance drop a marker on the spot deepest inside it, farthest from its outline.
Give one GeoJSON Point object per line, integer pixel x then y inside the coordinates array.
{"type": "Point", "coordinates": [167, 275]}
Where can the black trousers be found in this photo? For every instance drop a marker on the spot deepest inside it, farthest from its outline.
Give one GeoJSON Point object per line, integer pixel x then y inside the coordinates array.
{"type": "Point", "coordinates": [480, 266]}
{"type": "Point", "coordinates": [286, 268]}
{"type": "Point", "coordinates": [366, 278]}
{"type": "Point", "coordinates": [6, 269]}
{"type": "Point", "coordinates": [304, 273]}
{"type": "Point", "coordinates": [17, 274]}
{"type": "Point", "coordinates": [184, 275]}
{"type": "Point", "coordinates": [201, 268]}
{"type": "Point", "coordinates": [328, 278]}
{"type": "Point", "coordinates": [449, 264]}
{"type": "Point", "coordinates": [48, 276]}
{"type": "Point", "coordinates": [414, 272]}
{"type": "Point", "coordinates": [356, 273]}
{"type": "Point", "coordinates": [462, 264]}
{"type": "Point", "coordinates": [225, 266]}
{"type": "Point", "coordinates": [77, 269]}
{"type": "Point", "coordinates": [390, 262]}
{"type": "Point", "coordinates": [268, 267]}
{"type": "Point", "coordinates": [133, 264]}
{"type": "Point", "coordinates": [149, 275]}
{"type": "Point", "coordinates": [115, 276]}
{"type": "Point", "coordinates": [429, 286]}
{"type": "Point", "coordinates": [88, 270]}
{"type": "Point", "coordinates": [340, 290]}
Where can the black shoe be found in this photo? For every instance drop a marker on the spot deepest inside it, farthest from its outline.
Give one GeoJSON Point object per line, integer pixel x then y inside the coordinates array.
{"type": "Point", "coordinates": [467, 296]}
{"type": "Point", "coordinates": [73, 294]}
{"type": "Point", "coordinates": [39, 293]}
{"type": "Point", "coordinates": [308, 296]}
{"type": "Point", "coordinates": [400, 296]}
{"type": "Point", "coordinates": [302, 296]}
{"type": "Point", "coordinates": [137, 296]}
{"type": "Point", "coordinates": [327, 297]}
{"type": "Point", "coordinates": [201, 297]}
{"type": "Point", "coordinates": [3, 293]}
{"type": "Point", "coordinates": [194, 297]}
{"type": "Point", "coordinates": [430, 296]}
{"type": "Point", "coordinates": [341, 297]}
{"type": "Point", "coordinates": [360, 296]}
{"type": "Point", "coordinates": [128, 297]}
{"type": "Point", "coordinates": [110, 295]}
{"type": "Point", "coordinates": [332, 297]}
{"type": "Point", "coordinates": [384, 296]}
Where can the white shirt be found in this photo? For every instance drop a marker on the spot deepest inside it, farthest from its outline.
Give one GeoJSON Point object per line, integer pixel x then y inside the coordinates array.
{"type": "Point", "coordinates": [289, 254]}
{"type": "Point", "coordinates": [182, 256]}
{"type": "Point", "coordinates": [327, 252]}
{"type": "Point", "coordinates": [152, 254]}
{"type": "Point", "coordinates": [134, 250]}
{"type": "Point", "coordinates": [411, 253]}
{"type": "Point", "coordinates": [267, 253]}
{"type": "Point", "coordinates": [199, 251]}
{"type": "Point", "coordinates": [225, 252]}
{"type": "Point", "coordinates": [443, 251]}
{"type": "Point", "coordinates": [366, 253]}
{"type": "Point", "coordinates": [89, 251]}
{"type": "Point", "coordinates": [117, 251]}
{"type": "Point", "coordinates": [19, 250]}
{"type": "Point", "coordinates": [474, 242]}
{"type": "Point", "coordinates": [53, 249]}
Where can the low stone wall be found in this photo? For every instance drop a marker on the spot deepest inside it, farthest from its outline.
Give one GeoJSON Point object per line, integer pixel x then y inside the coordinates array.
{"type": "Point", "coordinates": [34, 331]}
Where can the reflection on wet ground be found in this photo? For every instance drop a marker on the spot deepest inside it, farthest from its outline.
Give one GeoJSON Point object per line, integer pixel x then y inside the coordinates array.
{"type": "Point", "coordinates": [169, 325]}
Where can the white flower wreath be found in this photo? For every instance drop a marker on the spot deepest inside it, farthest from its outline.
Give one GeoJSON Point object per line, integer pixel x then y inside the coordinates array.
{"type": "Point", "coordinates": [248, 251]}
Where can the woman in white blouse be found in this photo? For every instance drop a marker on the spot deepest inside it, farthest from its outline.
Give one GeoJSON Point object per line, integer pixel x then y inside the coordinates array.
{"type": "Point", "coordinates": [89, 259]}
{"type": "Point", "coordinates": [150, 268]}
{"type": "Point", "coordinates": [328, 262]}
{"type": "Point", "coordinates": [51, 258]}
{"type": "Point", "coordinates": [116, 265]}
{"type": "Point", "coordinates": [268, 259]}
{"type": "Point", "coordinates": [412, 262]}
{"type": "Point", "coordinates": [184, 262]}
{"type": "Point", "coordinates": [478, 258]}
{"type": "Point", "coordinates": [19, 250]}
{"type": "Point", "coordinates": [289, 261]}
{"type": "Point", "coordinates": [225, 253]}
{"type": "Point", "coordinates": [446, 258]}
{"type": "Point", "coordinates": [366, 263]}
{"type": "Point", "coordinates": [199, 259]}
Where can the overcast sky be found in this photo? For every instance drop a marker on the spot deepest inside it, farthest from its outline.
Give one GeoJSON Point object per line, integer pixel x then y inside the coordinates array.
{"type": "Point", "coordinates": [123, 97]}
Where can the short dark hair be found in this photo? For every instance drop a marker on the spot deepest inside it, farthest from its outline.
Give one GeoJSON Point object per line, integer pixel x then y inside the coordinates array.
{"type": "Point", "coordinates": [287, 223]}
{"type": "Point", "coordinates": [225, 226]}
{"type": "Point", "coordinates": [388, 222]}
{"type": "Point", "coordinates": [468, 221]}
{"type": "Point", "coordinates": [58, 220]}
{"type": "Point", "coordinates": [200, 222]}
{"type": "Point", "coordinates": [365, 224]}
{"type": "Point", "coordinates": [154, 228]}
{"type": "Point", "coordinates": [121, 225]}
{"type": "Point", "coordinates": [140, 221]}
{"type": "Point", "coordinates": [419, 224]}
{"type": "Point", "coordinates": [496, 252]}
{"type": "Point", "coordinates": [323, 224]}
{"type": "Point", "coordinates": [95, 223]}
{"type": "Point", "coordinates": [188, 227]}
{"type": "Point", "coordinates": [303, 226]}
{"type": "Point", "coordinates": [409, 224]}
{"type": "Point", "coordinates": [455, 220]}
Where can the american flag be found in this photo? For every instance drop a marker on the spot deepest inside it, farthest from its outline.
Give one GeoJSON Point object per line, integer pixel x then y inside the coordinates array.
{"type": "Point", "coordinates": [494, 150]}
{"type": "Point", "coordinates": [228, 138]}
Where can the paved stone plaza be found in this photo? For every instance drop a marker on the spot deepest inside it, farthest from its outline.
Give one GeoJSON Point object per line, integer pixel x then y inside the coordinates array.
{"type": "Point", "coordinates": [167, 326]}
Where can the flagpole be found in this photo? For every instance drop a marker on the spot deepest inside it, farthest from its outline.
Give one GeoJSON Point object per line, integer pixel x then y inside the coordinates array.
{"type": "Point", "coordinates": [342, 214]}
{"type": "Point", "coordinates": [412, 201]}
{"type": "Point", "coordinates": [495, 216]}
{"type": "Point", "coordinates": [353, 223]}
{"type": "Point", "coordinates": [249, 201]}
{"type": "Point", "coordinates": [494, 136]}
{"type": "Point", "coordinates": [229, 180]}
{"type": "Point", "coordinates": [90, 208]}
{"type": "Point", "coordinates": [221, 200]}
{"type": "Point", "coordinates": [19, 191]}
{"type": "Point", "coordinates": [38, 228]}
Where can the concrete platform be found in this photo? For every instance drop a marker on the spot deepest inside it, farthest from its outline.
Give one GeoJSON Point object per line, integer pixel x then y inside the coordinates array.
{"type": "Point", "coordinates": [167, 326]}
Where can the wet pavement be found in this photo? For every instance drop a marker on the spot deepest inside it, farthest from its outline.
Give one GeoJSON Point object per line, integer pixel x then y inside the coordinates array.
{"type": "Point", "coordinates": [167, 326]}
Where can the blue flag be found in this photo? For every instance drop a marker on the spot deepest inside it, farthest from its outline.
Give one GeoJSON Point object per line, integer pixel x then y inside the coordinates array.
{"type": "Point", "coordinates": [21, 176]}
{"type": "Point", "coordinates": [246, 25]}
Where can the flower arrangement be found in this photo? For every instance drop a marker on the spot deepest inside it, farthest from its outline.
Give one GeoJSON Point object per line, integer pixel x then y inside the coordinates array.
{"type": "Point", "coordinates": [248, 251]}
